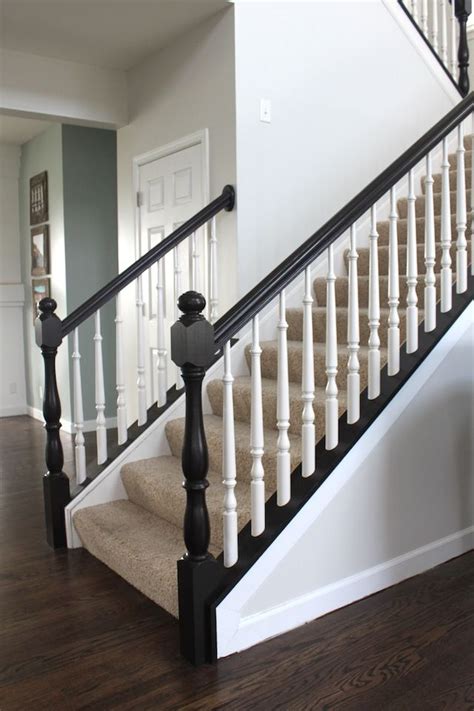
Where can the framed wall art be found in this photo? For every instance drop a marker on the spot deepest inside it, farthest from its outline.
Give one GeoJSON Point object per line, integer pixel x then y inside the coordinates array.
{"type": "Point", "coordinates": [40, 289]}
{"type": "Point", "coordinates": [39, 208]}
{"type": "Point", "coordinates": [40, 263]}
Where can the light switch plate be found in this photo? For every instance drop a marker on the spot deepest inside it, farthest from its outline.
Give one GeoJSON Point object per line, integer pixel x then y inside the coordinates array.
{"type": "Point", "coordinates": [265, 110]}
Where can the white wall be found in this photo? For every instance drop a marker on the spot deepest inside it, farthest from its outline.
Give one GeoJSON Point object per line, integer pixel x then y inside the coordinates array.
{"type": "Point", "coordinates": [186, 87]}
{"type": "Point", "coordinates": [12, 358]}
{"type": "Point", "coordinates": [400, 502]}
{"type": "Point", "coordinates": [42, 87]}
{"type": "Point", "coordinates": [347, 98]}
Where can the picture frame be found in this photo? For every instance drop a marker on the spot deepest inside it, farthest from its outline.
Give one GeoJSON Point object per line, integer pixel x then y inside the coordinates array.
{"type": "Point", "coordinates": [40, 289]}
{"type": "Point", "coordinates": [40, 255]}
{"type": "Point", "coordinates": [39, 206]}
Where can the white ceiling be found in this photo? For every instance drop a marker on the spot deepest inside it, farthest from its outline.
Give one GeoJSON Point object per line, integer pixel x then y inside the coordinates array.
{"type": "Point", "coordinates": [116, 34]}
{"type": "Point", "coordinates": [16, 131]}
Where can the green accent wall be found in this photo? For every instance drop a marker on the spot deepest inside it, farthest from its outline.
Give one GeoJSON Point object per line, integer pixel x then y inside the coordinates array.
{"type": "Point", "coordinates": [89, 166]}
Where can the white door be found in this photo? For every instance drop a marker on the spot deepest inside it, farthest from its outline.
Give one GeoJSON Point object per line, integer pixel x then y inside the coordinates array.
{"type": "Point", "coordinates": [171, 191]}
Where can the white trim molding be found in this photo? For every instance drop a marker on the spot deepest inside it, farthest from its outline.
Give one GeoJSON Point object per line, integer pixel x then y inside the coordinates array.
{"type": "Point", "coordinates": [12, 295]}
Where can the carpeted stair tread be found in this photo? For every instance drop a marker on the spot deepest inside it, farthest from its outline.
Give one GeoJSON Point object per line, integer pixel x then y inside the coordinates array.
{"type": "Point", "coordinates": [383, 228]}
{"type": "Point", "coordinates": [269, 362]}
{"type": "Point", "coordinates": [294, 317]}
{"type": "Point", "coordinates": [141, 548]}
{"type": "Point", "coordinates": [467, 157]}
{"type": "Point", "coordinates": [242, 400]}
{"type": "Point", "coordinates": [383, 253]}
{"type": "Point", "coordinates": [402, 204]}
{"type": "Point", "coordinates": [213, 429]}
{"type": "Point", "coordinates": [453, 181]}
{"type": "Point", "coordinates": [363, 283]}
{"type": "Point", "coordinates": [156, 485]}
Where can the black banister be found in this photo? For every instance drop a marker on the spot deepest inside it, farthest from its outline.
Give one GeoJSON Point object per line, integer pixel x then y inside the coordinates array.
{"type": "Point", "coordinates": [252, 303]}
{"type": "Point", "coordinates": [225, 201]}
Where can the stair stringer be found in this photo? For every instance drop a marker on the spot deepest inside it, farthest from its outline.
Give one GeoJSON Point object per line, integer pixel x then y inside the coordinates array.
{"type": "Point", "coordinates": [240, 625]}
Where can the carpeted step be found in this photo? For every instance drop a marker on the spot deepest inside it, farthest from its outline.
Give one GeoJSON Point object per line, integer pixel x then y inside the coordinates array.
{"type": "Point", "coordinates": [363, 282]}
{"type": "Point", "coordinates": [402, 204]}
{"type": "Point", "coordinates": [383, 228]}
{"type": "Point", "coordinates": [294, 318]}
{"type": "Point", "coordinates": [467, 156]}
{"type": "Point", "coordinates": [242, 400]}
{"type": "Point", "coordinates": [383, 253]}
{"type": "Point", "coordinates": [156, 486]}
{"type": "Point", "coordinates": [141, 548]}
{"type": "Point", "coordinates": [213, 428]}
{"type": "Point", "coordinates": [295, 357]}
{"type": "Point", "coordinates": [453, 181]}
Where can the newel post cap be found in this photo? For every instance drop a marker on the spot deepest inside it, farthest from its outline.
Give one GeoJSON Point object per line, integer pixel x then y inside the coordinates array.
{"type": "Point", "coordinates": [192, 336]}
{"type": "Point", "coordinates": [48, 326]}
{"type": "Point", "coordinates": [462, 7]}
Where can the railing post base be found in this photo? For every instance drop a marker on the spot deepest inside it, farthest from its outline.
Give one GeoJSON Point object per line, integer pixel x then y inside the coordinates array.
{"type": "Point", "coordinates": [197, 581]}
{"type": "Point", "coordinates": [56, 498]}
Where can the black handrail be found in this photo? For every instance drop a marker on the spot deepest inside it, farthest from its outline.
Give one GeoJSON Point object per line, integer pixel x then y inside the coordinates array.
{"type": "Point", "coordinates": [254, 301]}
{"type": "Point", "coordinates": [225, 201]}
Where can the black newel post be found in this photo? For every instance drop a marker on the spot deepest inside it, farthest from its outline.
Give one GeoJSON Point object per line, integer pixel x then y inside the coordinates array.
{"type": "Point", "coordinates": [192, 348]}
{"type": "Point", "coordinates": [462, 9]}
{"type": "Point", "coordinates": [55, 481]}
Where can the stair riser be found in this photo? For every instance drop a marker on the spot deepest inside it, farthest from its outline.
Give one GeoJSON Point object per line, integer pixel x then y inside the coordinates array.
{"type": "Point", "coordinates": [242, 402]}
{"type": "Point", "coordinates": [341, 291]}
{"type": "Point", "coordinates": [383, 228]}
{"type": "Point", "coordinates": [294, 318]}
{"type": "Point", "coordinates": [242, 454]}
{"type": "Point", "coordinates": [383, 253]}
{"type": "Point", "coordinates": [402, 204]}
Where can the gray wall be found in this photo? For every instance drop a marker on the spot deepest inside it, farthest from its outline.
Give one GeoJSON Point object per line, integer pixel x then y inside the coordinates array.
{"type": "Point", "coordinates": [89, 159]}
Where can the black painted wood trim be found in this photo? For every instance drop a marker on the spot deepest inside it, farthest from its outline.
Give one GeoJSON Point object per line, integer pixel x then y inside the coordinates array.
{"type": "Point", "coordinates": [255, 300]}
{"type": "Point", "coordinates": [302, 489]}
{"type": "Point", "coordinates": [225, 201]}
{"type": "Point", "coordinates": [428, 43]}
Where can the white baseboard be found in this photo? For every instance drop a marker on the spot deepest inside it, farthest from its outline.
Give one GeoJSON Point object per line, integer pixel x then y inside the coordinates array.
{"type": "Point", "coordinates": [67, 426]}
{"type": "Point", "coordinates": [13, 411]}
{"type": "Point", "coordinates": [297, 612]}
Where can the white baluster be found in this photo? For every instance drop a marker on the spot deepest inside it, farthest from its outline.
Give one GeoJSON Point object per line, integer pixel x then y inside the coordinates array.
{"type": "Point", "coordinates": [332, 408]}
{"type": "Point", "coordinates": [434, 24]}
{"type": "Point", "coordinates": [446, 270]}
{"type": "Point", "coordinates": [412, 270]}
{"type": "Point", "coordinates": [195, 262]}
{"type": "Point", "coordinates": [414, 10]}
{"type": "Point", "coordinates": [101, 430]}
{"type": "Point", "coordinates": [141, 386]}
{"type": "Point", "coordinates": [283, 410]}
{"type": "Point", "coordinates": [120, 376]}
{"type": "Point", "coordinates": [453, 47]}
{"type": "Point", "coordinates": [257, 486]}
{"type": "Point", "coordinates": [472, 205]}
{"type": "Point", "coordinates": [424, 17]}
{"type": "Point", "coordinates": [430, 251]}
{"type": "Point", "coordinates": [443, 33]}
{"type": "Point", "coordinates": [374, 310]}
{"type": "Point", "coordinates": [353, 337]}
{"type": "Point", "coordinates": [213, 272]}
{"type": "Point", "coordinates": [461, 217]}
{"type": "Point", "coordinates": [161, 351]}
{"type": "Point", "coordinates": [79, 449]}
{"type": "Point", "coordinates": [229, 469]}
{"type": "Point", "coordinates": [308, 434]}
{"type": "Point", "coordinates": [177, 293]}
{"type": "Point", "coordinates": [393, 290]}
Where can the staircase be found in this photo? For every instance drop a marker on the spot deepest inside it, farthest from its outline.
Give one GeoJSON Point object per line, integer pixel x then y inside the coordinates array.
{"type": "Point", "coordinates": [141, 538]}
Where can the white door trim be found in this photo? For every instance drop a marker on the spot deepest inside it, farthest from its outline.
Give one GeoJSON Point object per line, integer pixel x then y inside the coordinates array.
{"type": "Point", "coordinates": [194, 139]}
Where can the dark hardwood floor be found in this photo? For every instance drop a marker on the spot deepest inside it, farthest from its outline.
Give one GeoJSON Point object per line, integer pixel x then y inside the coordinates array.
{"type": "Point", "coordinates": [73, 635]}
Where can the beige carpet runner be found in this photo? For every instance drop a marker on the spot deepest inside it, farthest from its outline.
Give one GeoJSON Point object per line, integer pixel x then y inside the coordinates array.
{"type": "Point", "coordinates": [142, 538]}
